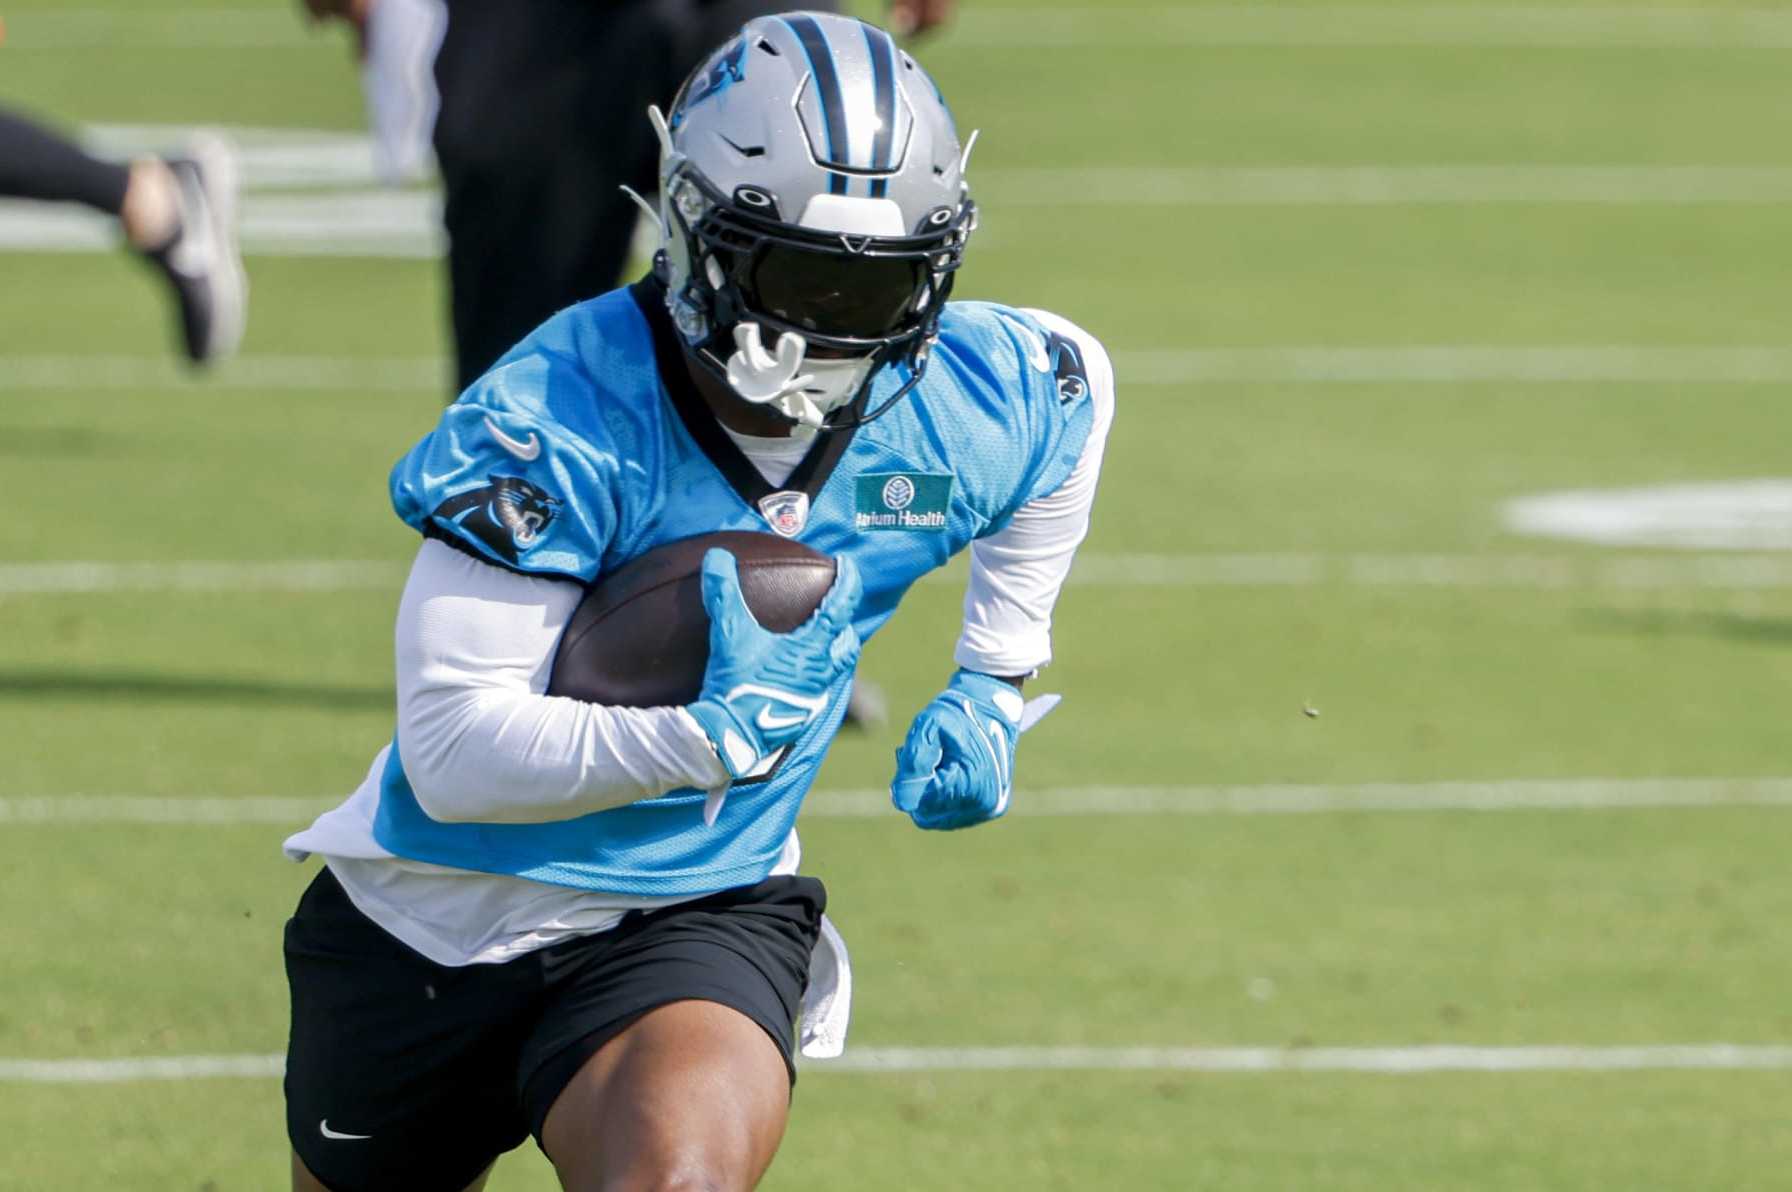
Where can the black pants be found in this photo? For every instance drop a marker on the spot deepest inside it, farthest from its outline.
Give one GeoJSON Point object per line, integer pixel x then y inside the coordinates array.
{"type": "Point", "coordinates": [37, 164]}
{"type": "Point", "coordinates": [543, 118]}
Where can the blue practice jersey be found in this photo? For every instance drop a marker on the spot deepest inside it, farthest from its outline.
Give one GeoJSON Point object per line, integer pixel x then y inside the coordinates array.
{"type": "Point", "coordinates": [587, 445]}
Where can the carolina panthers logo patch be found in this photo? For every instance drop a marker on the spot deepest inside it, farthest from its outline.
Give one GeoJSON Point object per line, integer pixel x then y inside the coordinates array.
{"type": "Point", "coordinates": [725, 70]}
{"type": "Point", "coordinates": [1067, 366]}
{"type": "Point", "coordinates": [509, 515]}
{"type": "Point", "coordinates": [1056, 354]}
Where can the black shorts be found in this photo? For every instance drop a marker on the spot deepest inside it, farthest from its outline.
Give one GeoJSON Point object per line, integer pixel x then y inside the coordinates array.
{"type": "Point", "coordinates": [403, 1073]}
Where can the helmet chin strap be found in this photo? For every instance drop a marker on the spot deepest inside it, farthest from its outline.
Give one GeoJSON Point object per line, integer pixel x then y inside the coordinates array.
{"type": "Point", "coordinates": [803, 391]}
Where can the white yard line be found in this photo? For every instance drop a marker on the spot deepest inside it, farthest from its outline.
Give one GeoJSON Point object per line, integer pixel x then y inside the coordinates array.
{"type": "Point", "coordinates": [1573, 794]}
{"type": "Point", "coordinates": [1392, 1060]}
{"type": "Point", "coordinates": [335, 172]}
{"type": "Point", "coordinates": [1022, 28]}
{"type": "Point", "coordinates": [319, 575]}
{"type": "Point", "coordinates": [1723, 1057]}
{"type": "Point", "coordinates": [1739, 514]}
{"type": "Point", "coordinates": [1594, 572]}
{"type": "Point", "coordinates": [353, 223]}
{"type": "Point", "coordinates": [1295, 365]}
{"type": "Point", "coordinates": [1737, 572]}
{"type": "Point", "coordinates": [1128, 186]}
{"type": "Point", "coordinates": [107, 373]}
{"type": "Point", "coordinates": [1582, 794]}
{"type": "Point", "coordinates": [407, 223]}
{"type": "Point", "coordinates": [308, 159]}
{"type": "Point", "coordinates": [169, 1067]}
{"type": "Point", "coordinates": [1454, 364]}
{"type": "Point", "coordinates": [134, 809]}
{"type": "Point", "coordinates": [159, 29]}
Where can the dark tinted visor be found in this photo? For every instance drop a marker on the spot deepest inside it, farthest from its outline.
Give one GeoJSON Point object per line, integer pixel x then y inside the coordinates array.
{"type": "Point", "coordinates": [835, 294]}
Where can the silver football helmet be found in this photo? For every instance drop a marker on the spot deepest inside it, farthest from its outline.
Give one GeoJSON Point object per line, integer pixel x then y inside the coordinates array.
{"type": "Point", "coordinates": [812, 214]}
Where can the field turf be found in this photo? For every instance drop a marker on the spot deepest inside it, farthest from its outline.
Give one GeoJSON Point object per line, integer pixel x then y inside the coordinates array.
{"type": "Point", "coordinates": [1388, 597]}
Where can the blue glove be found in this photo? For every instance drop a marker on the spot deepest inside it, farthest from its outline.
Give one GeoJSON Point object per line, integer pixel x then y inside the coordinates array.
{"type": "Point", "coordinates": [762, 690]}
{"type": "Point", "coordinates": [956, 767]}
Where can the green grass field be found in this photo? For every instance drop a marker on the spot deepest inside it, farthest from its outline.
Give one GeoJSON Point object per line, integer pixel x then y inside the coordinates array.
{"type": "Point", "coordinates": [1262, 545]}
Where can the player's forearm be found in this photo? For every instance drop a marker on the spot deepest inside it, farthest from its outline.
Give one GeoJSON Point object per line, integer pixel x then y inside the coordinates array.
{"type": "Point", "coordinates": [479, 739]}
{"type": "Point", "coordinates": [1008, 609]}
{"type": "Point", "coordinates": [494, 756]}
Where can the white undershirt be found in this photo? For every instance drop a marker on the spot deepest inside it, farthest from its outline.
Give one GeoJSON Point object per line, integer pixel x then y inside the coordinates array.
{"type": "Point", "coordinates": [482, 742]}
{"type": "Point", "coordinates": [776, 459]}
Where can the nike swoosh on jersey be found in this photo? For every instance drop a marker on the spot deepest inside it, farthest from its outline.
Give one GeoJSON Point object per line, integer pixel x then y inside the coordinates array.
{"type": "Point", "coordinates": [1036, 353]}
{"type": "Point", "coordinates": [323, 1127]}
{"type": "Point", "coordinates": [523, 449]}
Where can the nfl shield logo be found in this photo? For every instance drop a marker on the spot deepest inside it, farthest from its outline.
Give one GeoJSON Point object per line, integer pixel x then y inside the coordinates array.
{"type": "Point", "coordinates": [786, 512]}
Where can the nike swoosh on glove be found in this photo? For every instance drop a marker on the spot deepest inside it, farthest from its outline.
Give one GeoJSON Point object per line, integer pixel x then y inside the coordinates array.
{"type": "Point", "coordinates": [762, 690]}
{"type": "Point", "coordinates": [956, 767]}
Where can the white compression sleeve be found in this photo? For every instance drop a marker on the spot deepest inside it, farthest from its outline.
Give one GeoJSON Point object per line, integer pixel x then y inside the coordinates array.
{"type": "Point", "coordinates": [480, 742]}
{"type": "Point", "coordinates": [1017, 572]}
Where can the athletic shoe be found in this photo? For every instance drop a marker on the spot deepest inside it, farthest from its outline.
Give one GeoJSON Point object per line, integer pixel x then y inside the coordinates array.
{"type": "Point", "coordinates": [202, 262]}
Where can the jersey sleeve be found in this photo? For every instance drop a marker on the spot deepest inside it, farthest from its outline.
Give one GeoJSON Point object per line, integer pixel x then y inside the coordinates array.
{"type": "Point", "coordinates": [1018, 570]}
{"type": "Point", "coordinates": [1053, 410]}
{"type": "Point", "coordinates": [504, 480]}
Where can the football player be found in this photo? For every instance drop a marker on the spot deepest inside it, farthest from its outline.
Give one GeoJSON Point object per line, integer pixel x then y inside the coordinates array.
{"type": "Point", "coordinates": [178, 212]}
{"type": "Point", "coordinates": [587, 923]}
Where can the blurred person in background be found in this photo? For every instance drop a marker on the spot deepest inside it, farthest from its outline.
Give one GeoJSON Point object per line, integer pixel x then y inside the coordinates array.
{"type": "Point", "coordinates": [178, 213]}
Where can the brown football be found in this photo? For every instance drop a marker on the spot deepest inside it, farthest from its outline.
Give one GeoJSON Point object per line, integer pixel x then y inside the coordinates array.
{"type": "Point", "coordinates": [640, 636]}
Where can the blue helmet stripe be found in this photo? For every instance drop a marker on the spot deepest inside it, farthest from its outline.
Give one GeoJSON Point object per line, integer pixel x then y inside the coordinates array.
{"type": "Point", "coordinates": [883, 77]}
{"type": "Point", "coordinates": [827, 86]}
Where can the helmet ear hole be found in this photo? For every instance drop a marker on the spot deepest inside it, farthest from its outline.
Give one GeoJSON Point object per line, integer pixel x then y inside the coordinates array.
{"type": "Point", "coordinates": [757, 201]}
